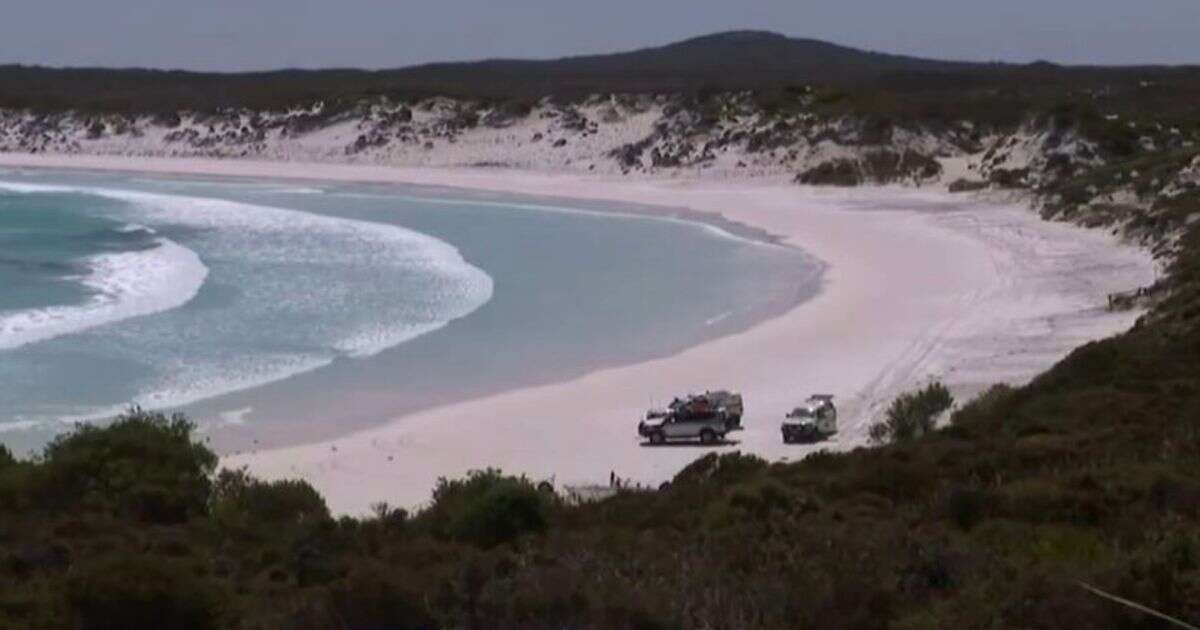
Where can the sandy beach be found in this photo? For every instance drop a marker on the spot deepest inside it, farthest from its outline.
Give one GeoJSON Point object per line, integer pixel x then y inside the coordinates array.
{"type": "Point", "coordinates": [919, 285]}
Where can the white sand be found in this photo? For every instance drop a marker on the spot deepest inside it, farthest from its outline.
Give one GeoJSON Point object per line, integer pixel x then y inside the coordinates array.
{"type": "Point", "coordinates": [920, 285]}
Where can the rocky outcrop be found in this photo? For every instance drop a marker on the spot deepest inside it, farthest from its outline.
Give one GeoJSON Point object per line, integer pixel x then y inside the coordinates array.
{"type": "Point", "coordinates": [876, 166]}
{"type": "Point", "coordinates": [629, 156]}
{"type": "Point", "coordinates": [367, 141]}
{"type": "Point", "coordinates": [839, 172]}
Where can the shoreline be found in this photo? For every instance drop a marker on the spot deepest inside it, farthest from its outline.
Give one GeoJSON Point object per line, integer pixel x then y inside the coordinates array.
{"type": "Point", "coordinates": [424, 177]}
{"type": "Point", "coordinates": [918, 285]}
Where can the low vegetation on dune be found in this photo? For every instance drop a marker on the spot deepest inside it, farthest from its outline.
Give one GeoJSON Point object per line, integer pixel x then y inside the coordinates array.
{"type": "Point", "coordinates": [912, 415]}
{"type": "Point", "coordinates": [1089, 475]}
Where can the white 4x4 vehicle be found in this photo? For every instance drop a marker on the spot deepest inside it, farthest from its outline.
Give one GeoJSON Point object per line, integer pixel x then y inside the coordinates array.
{"type": "Point", "coordinates": [814, 421]}
{"type": "Point", "coordinates": [707, 417]}
{"type": "Point", "coordinates": [708, 428]}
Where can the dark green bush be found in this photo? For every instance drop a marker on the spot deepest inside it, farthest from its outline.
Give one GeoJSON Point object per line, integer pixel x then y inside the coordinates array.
{"type": "Point", "coordinates": [993, 402]}
{"type": "Point", "coordinates": [912, 415]}
{"type": "Point", "coordinates": [369, 599]}
{"type": "Point", "coordinates": [720, 468]}
{"type": "Point", "coordinates": [240, 499]}
{"type": "Point", "coordinates": [501, 514]}
{"type": "Point", "coordinates": [760, 498]}
{"type": "Point", "coordinates": [143, 464]}
{"type": "Point", "coordinates": [968, 506]}
{"type": "Point", "coordinates": [131, 591]}
{"type": "Point", "coordinates": [487, 508]}
{"type": "Point", "coordinates": [15, 487]}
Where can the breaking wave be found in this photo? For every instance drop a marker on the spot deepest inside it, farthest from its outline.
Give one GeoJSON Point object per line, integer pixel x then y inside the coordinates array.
{"type": "Point", "coordinates": [308, 289]}
{"type": "Point", "coordinates": [124, 285]}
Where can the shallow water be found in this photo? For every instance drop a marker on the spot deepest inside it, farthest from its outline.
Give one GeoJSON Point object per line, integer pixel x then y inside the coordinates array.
{"type": "Point", "coordinates": [278, 313]}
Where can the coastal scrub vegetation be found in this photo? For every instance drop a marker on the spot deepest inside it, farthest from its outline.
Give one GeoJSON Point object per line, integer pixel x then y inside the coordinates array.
{"type": "Point", "coordinates": [912, 414]}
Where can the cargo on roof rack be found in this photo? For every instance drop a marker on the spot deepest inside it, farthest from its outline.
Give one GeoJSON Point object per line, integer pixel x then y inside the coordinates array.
{"type": "Point", "coordinates": [707, 417]}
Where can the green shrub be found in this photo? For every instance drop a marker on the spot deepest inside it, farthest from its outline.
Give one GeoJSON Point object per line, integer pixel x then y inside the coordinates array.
{"type": "Point", "coordinates": [757, 499]}
{"type": "Point", "coordinates": [855, 603]}
{"type": "Point", "coordinates": [370, 599]}
{"type": "Point", "coordinates": [501, 514]}
{"type": "Point", "coordinates": [240, 499]}
{"type": "Point", "coordinates": [143, 464]}
{"type": "Point", "coordinates": [912, 415]}
{"type": "Point", "coordinates": [1052, 546]}
{"type": "Point", "coordinates": [993, 402]}
{"type": "Point", "coordinates": [773, 495]}
{"type": "Point", "coordinates": [487, 508]}
{"type": "Point", "coordinates": [389, 517]}
{"type": "Point", "coordinates": [132, 591]}
{"type": "Point", "coordinates": [17, 489]}
{"type": "Point", "coordinates": [896, 478]}
{"type": "Point", "coordinates": [720, 468]}
{"type": "Point", "coordinates": [968, 506]}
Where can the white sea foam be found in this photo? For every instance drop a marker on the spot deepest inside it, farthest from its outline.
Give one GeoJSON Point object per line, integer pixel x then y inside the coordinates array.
{"type": "Point", "coordinates": [447, 286]}
{"type": "Point", "coordinates": [220, 213]}
{"type": "Point", "coordinates": [186, 384]}
{"type": "Point", "coordinates": [133, 228]}
{"type": "Point", "coordinates": [200, 382]}
{"type": "Point", "coordinates": [126, 285]}
{"type": "Point", "coordinates": [18, 425]}
{"type": "Point", "coordinates": [719, 318]}
{"type": "Point", "coordinates": [236, 417]}
{"type": "Point", "coordinates": [370, 341]}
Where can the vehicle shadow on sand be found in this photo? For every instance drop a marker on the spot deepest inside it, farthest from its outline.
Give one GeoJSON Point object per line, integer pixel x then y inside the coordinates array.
{"type": "Point", "coordinates": [647, 444]}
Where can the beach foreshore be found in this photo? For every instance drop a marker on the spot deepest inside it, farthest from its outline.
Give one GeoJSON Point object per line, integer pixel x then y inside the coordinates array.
{"type": "Point", "coordinates": [920, 285]}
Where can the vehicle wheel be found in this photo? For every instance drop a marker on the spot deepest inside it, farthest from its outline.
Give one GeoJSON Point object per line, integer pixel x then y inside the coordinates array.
{"type": "Point", "coordinates": [707, 437]}
{"type": "Point", "coordinates": [657, 437]}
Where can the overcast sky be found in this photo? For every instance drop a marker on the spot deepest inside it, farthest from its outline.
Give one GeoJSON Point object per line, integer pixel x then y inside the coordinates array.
{"type": "Point", "coordinates": [259, 34]}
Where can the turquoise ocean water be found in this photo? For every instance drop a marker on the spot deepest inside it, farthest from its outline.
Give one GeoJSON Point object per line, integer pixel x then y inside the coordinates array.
{"type": "Point", "coordinates": [275, 313]}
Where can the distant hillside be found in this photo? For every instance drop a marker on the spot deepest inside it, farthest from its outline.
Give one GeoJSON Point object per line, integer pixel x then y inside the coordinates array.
{"type": "Point", "coordinates": [724, 61]}
{"type": "Point", "coordinates": [737, 59]}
